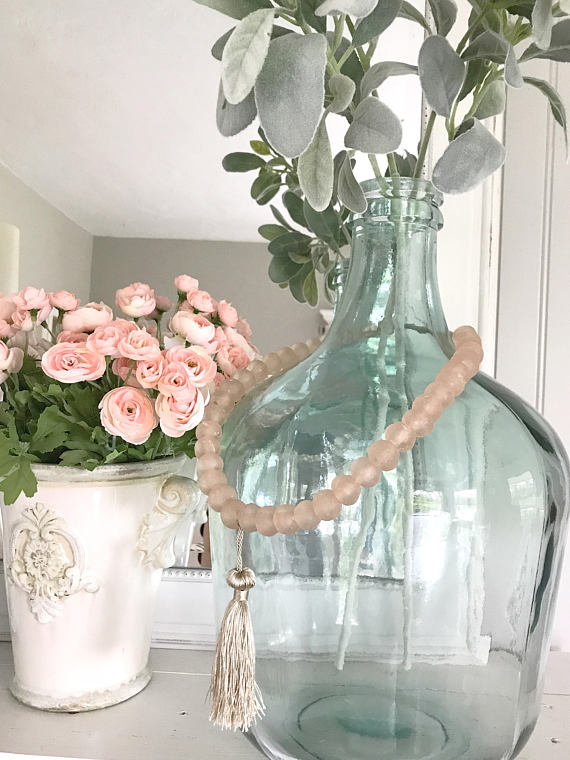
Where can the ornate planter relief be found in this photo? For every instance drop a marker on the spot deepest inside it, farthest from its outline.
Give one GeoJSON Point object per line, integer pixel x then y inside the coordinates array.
{"type": "Point", "coordinates": [47, 562]}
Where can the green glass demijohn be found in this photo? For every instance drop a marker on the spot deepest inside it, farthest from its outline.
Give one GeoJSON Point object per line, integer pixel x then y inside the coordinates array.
{"type": "Point", "coordinates": [416, 625]}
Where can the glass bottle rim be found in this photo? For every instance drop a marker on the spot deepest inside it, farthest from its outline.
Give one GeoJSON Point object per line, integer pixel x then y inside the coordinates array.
{"type": "Point", "coordinates": [402, 188]}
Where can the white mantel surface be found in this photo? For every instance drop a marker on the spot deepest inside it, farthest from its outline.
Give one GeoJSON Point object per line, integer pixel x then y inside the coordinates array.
{"type": "Point", "coordinates": [169, 719]}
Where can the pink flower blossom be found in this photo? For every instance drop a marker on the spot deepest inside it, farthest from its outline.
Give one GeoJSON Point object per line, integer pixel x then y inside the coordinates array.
{"type": "Point", "coordinates": [87, 318]}
{"type": "Point", "coordinates": [194, 327]}
{"type": "Point", "coordinates": [230, 358]}
{"type": "Point", "coordinates": [136, 300]}
{"type": "Point", "coordinates": [244, 328]}
{"type": "Point", "coordinates": [34, 299]}
{"type": "Point", "coordinates": [202, 368]}
{"type": "Point", "coordinates": [163, 303]}
{"type": "Point", "coordinates": [67, 336]}
{"type": "Point", "coordinates": [7, 308]}
{"type": "Point", "coordinates": [63, 300]}
{"type": "Point", "coordinates": [218, 380]}
{"type": "Point", "coordinates": [176, 380]}
{"type": "Point", "coordinates": [129, 413]}
{"type": "Point", "coordinates": [105, 339]}
{"type": "Point", "coordinates": [228, 314]}
{"type": "Point", "coordinates": [22, 320]}
{"type": "Point", "coordinates": [238, 340]}
{"type": "Point", "coordinates": [185, 284]}
{"type": "Point", "coordinates": [139, 345]}
{"type": "Point", "coordinates": [149, 372]}
{"type": "Point", "coordinates": [179, 414]}
{"type": "Point", "coordinates": [7, 330]}
{"type": "Point", "coordinates": [202, 301]}
{"type": "Point", "coordinates": [72, 363]}
{"type": "Point", "coordinates": [11, 359]}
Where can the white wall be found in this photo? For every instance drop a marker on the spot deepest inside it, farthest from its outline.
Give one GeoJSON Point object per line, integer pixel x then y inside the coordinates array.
{"type": "Point", "coordinates": [533, 356]}
{"type": "Point", "coordinates": [236, 272]}
{"type": "Point", "coordinates": [54, 252]}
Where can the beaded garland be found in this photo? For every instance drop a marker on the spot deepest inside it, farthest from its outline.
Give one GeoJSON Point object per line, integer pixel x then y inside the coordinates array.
{"type": "Point", "coordinates": [365, 472]}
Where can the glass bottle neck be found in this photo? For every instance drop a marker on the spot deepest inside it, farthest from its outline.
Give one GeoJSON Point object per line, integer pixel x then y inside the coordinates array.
{"type": "Point", "coordinates": [393, 269]}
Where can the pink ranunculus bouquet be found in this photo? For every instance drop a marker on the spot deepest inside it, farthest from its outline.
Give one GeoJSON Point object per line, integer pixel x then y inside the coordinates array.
{"type": "Point", "coordinates": [80, 386]}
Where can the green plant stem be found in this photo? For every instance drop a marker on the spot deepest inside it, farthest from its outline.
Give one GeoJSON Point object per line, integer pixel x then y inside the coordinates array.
{"type": "Point", "coordinates": [374, 164]}
{"type": "Point", "coordinates": [338, 28]}
{"type": "Point", "coordinates": [467, 36]}
{"type": "Point", "coordinates": [158, 445]}
{"type": "Point", "coordinates": [424, 145]}
{"type": "Point", "coordinates": [392, 164]}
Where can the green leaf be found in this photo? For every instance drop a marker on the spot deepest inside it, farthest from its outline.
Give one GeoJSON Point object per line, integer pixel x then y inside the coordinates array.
{"type": "Point", "coordinates": [271, 231]}
{"type": "Point", "coordinates": [356, 8]}
{"type": "Point", "coordinates": [297, 282]}
{"type": "Point", "coordinates": [380, 72]}
{"type": "Point", "coordinates": [559, 49]}
{"type": "Point", "coordinates": [444, 14]}
{"type": "Point", "coordinates": [219, 45]}
{"type": "Point", "coordinates": [281, 269]}
{"type": "Point", "coordinates": [315, 169]}
{"type": "Point", "coordinates": [245, 54]}
{"type": "Point", "coordinates": [342, 89]}
{"type": "Point", "coordinates": [311, 289]}
{"type": "Point", "coordinates": [375, 23]}
{"type": "Point", "coordinates": [289, 91]}
{"type": "Point", "coordinates": [542, 21]}
{"type": "Point", "coordinates": [513, 73]}
{"type": "Point", "coordinates": [556, 104]}
{"type": "Point", "coordinates": [294, 205]}
{"type": "Point", "coordinates": [350, 193]}
{"type": "Point", "coordinates": [476, 70]}
{"type": "Point", "coordinates": [307, 8]}
{"type": "Point", "coordinates": [374, 129]}
{"type": "Point", "coordinates": [290, 242]}
{"type": "Point", "coordinates": [410, 13]}
{"type": "Point", "coordinates": [441, 74]}
{"type": "Point", "coordinates": [493, 47]}
{"type": "Point", "coordinates": [21, 479]}
{"type": "Point", "coordinates": [280, 218]}
{"type": "Point", "coordinates": [231, 119]}
{"type": "Point", "coordinates": [260, 147]}
{"type": "Point", "coordinates": [324, 224]}
{"type": "Point", "coordinates": [52, 430]}
{"type": "Point", "coordinates": [468, 159]}
{"type": "Point", "coordinates": [242, 162]}
{"type": "Point", "coordinates": [235, 8]}
{"type": "Point", "coordinates": [405, 165]}
{"type": "Point", "coordinates": [564, 6]}
{"type": "Point", "coordinates": [492, 102]}
{"type": "Point", "coordinates": [264, 188]}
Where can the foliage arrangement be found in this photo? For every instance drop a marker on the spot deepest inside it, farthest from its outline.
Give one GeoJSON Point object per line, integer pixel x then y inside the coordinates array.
{"type": "Point", "coordinates": [295, 63]}
{"type": "Point", "coordinates": [81, 388]}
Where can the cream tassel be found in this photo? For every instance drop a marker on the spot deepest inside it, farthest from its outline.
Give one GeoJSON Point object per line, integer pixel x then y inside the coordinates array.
{"type": "Point", "coordinates": [236, 700]}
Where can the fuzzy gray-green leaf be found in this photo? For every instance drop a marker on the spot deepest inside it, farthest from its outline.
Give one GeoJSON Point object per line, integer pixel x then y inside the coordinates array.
{"type": "Point", "coordinates": [245, 53]}
{"type": "Point", "coordinates": [342, 89]}
{"type": "Point", "coordinates": [493, 101]}
{"type": "Point", "coordinates": [468, 160]}
{"type": "Point", "coordinates": [444, 14]}
{"type": "Point", "coordinates": [376, 22]}
{"type": "Point", "coordinates": [410, 13]}
{"type": "Point", "coordinates": [289, 91]}
{"type": "Point", "coordinates": [441, 73]}
{"type": "Point", "coordinates": [374, 129]}
{"type": "Point", "coordinates": [559, 49]}
{"type": "Point", "coordinates": [231, 119]}
{"type": "Point", "coordinates": [542, 21]}
{"type": "Point", "coordinates": [350, 194]}
{"type": "Point", "coordinates": [315, 169]}
{"type": "Point", "coordinates": [356, 8]}
{"type": "Point", "coordinates": [310, 289]}
{"type": "Point", "coordinates": [490, 45]}
{"type": "Point", "coordinates": [379, 72]}
{"type": "Point", "coordinates": [556, 104]}
{"type": "Point", "coordinates": [513, 73]}
{"type": "Point", "coordinates": [235, 8]}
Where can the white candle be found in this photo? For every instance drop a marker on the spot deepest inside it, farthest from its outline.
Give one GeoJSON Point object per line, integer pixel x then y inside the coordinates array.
{"type": "Point", "coordinates": [9, 258]}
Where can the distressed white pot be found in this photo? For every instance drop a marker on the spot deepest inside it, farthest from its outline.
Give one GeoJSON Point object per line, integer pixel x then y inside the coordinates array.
{"type": "Point", "coordinates": [83, 560]}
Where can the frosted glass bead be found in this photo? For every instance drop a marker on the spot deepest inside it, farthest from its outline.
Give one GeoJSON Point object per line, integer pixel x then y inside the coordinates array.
{"type": "Point", "coordinates": [402, 437]}
{"type": "Point", "coordinates": [258, 370]}
{"type": "Point", "coordinates": [452, 379]}
{"type": "Point", "coordinates": [264, 521]}
{"type": "Point", "coordinates": [288, 357]}
{"type": "Point", "coordinates": [418, 421]}
{"type": "Point", "coordinates": [365, 472]}
{"type": "Point", "coordinates": [273, 363]}
{"type": "Point", "coordinates": [284, 520]}
{"type": "Point", "coordinates": [208, 430]}
{"type": "Point", "coordinates": [471, 348]}
{"type": "Point", "coordinates": [207, 446]}
{"type": "Point", "coordinates": [215, 413]}
{"type": "Point", "coordinates": [428, 406]}
{"type": "Point", "coordinates": [464, 333]}
{"type": "Point", "coordinates": [313, 343]}
{"type": "Point", "coordinates": [219, 495]}
{"type": "Point", "coordinates": [223, 401]}
{"type": "Point", "coordinates": [469, 361]}
{"type": "Point", "coordinates": [229, 513]}
{"type": "Point", "coordinates": [440, 391]}
{"type": "Point", "coordinates": [301, 350]}
{"type": "Point", "coordinates": [346, 489]}
{"type": "Point", "coordinates": [246, 517]}
{"type": "Point", "coordinates": [235, 390]}
{"type": "Point", "coordinates": [325, 505]}
{"type": "Point", "coordinates": [210, 462]}
{"type": "Point", "coordinates": [210, 480]}
{"type": "Point", "coordinates": [245, 378]}
{"type": "Point", "coordinates": [305, 516]}
{"type": "Point", "coordinates": [384, 455]}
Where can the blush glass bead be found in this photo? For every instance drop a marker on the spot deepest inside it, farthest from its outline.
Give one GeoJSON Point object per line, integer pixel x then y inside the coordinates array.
{"type": "Point", "coordinates": [326, 506]}
{"type": "Point", "coordinates": [210, 479]}
{"type": "Point", "coordinates": [384, 455]}
{"type": "Point", "coordinates": [208, 430]}
{"type": "Point", "coordinates": [284, 520]}
{"type": "Point", "coordinates": [346, 489]}
{"type": "Point", "coordinates": [218, 495]}
{"type": "Point", "coordinates": [365, 472]}
{"type": "Point", "coordinates": [402, 437]}
{"type": "Point", "coordinates": [206, 445]}
{"type": "Point", "coordinates": [273, 363]}
{"type": "Point", "coordinates": [415, 624]}
{"type": "Point", "coordinates": [265, 522]}
{"type": "Point", "coordinates": [246, 516]}
{"type": "Point", "coordinates": [229, 513]}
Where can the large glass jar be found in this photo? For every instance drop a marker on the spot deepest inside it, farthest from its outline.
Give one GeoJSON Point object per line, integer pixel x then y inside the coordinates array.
{"type": "Point", "coordinates": [416, 625]}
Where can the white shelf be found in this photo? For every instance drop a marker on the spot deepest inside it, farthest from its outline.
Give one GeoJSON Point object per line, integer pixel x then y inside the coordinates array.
{"type": "Point", "coordinates": [169, 719]}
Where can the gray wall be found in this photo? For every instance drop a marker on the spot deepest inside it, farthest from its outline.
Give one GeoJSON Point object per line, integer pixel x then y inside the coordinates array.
{"type": "Point", "coordinates": [236, 272]}
{"type": "Point", "coordinates": [55, 253]}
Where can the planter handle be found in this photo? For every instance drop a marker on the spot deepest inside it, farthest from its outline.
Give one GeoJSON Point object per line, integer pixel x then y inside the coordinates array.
{"type": "Point", "coordinates": [177, 496]}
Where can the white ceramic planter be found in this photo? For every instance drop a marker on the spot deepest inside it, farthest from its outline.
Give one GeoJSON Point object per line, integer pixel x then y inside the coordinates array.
{"type": "Point", "coordinates": [83, 560]}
